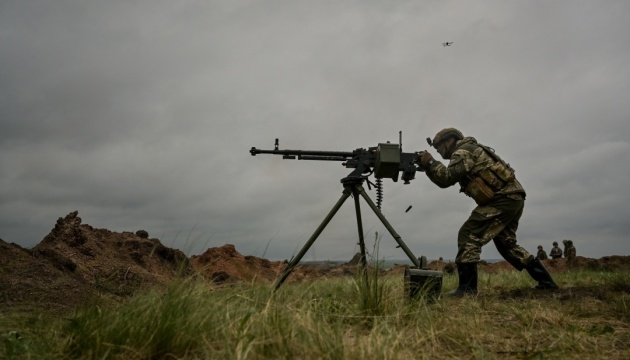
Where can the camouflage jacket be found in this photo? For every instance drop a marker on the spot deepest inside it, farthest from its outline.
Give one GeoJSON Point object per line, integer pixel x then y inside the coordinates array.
{"type": "Point", "coordinates": [555, 252]}
{"type": "Point", "coordinates": [468, 159]}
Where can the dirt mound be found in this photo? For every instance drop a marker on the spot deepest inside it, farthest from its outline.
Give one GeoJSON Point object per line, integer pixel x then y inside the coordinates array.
{"type": "Point", "coordinates": [75, 261]}
{"type": "Point", "coordinates": [225, 264]}
{"type": "Point", "coordinates": [26, 278]}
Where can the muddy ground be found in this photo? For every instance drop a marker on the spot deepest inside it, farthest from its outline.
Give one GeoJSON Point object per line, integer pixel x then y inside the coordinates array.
{"type": "Point", "coordinates": [76, 261]}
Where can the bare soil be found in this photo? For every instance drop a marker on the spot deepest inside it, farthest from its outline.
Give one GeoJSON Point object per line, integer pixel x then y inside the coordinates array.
{"type": "Point", "coordinates": [76, 262]}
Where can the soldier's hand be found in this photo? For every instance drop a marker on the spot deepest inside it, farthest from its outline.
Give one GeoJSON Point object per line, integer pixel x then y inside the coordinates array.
{"type": "Point", "coordinates": [424, 157]}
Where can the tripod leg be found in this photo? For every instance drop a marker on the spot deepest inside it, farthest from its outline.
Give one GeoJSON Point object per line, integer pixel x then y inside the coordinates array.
{"type": "Point", "coordinates": [389, 227]}
{"type": "Point", "coordinates": [357, 208]}
{"type": "Point", "coordinates": [309, 243]}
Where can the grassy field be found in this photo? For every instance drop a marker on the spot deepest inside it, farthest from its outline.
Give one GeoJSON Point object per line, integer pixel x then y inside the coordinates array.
{"type": "Point", "coordinates": [338, 319]}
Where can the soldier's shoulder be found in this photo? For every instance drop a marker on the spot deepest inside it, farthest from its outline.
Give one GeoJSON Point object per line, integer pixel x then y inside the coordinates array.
{"type": "Point", "coordinates": [463, 152]}
{"type": "Point", "coordinates": [467, 146]}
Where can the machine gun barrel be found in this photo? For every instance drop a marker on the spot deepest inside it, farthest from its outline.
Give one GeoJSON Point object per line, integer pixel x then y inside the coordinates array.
{"type": "Point", "coordinates": [306, 154]}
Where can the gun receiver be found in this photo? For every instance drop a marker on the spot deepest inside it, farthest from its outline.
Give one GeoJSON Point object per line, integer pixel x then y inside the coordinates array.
{"type": "Point", "coordinates": [384, 161]}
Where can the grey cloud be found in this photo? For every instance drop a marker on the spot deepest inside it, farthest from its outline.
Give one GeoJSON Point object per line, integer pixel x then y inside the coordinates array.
{"type": "Point", "coordinates": [140, 115]}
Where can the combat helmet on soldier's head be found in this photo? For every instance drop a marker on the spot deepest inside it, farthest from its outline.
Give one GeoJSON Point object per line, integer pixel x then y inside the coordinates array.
{"type": "Point", "coordinates": [540, 246]}
{"type": "Point", "coordinates": [555, 243]}
{"type": "Point", "coordinates": [445, 134]}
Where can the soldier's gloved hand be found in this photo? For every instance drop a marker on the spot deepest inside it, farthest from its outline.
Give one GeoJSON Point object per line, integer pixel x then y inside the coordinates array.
{"type": "Point", "coordinates": [424, 157]}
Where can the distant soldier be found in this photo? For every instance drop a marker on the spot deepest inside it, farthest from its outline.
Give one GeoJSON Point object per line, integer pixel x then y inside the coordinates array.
{"type": "Point", "coordinates": [571, 252]}
{"type": "Point", "coordinates": [566, 246]}
{"type": "Point", "coordinates": [541, 255]}
{"type": "Point", "coordinates": [556, 252]}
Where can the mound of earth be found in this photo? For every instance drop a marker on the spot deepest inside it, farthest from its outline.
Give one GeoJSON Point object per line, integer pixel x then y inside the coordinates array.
{"type": "Point", "coordinates": [225, 264]}
{"type": "Point", "coordinates": [76, 261]}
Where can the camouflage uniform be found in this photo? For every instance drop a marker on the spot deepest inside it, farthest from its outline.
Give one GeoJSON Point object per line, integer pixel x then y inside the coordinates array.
{"type": "Point", "coordinates": [565, 243]}
{"type": "Point", "coordinates": [556, 252]}
{"type": "Point", "coordinates": [571, 252]}
{"type": "Point", "coordinates": [541, 255]}
{"type": "Point", "coordinates": [496, 220]}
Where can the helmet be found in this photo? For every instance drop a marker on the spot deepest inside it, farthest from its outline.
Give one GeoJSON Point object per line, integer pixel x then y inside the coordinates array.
{"type": "Point", "coordinates": [565, 241]}
{"type": "Point", "coordinates": [445, 134]}
{"type": "Point", "coordinates": [555, 243]}
{"type": "Point", "coordinates": [540, 246]}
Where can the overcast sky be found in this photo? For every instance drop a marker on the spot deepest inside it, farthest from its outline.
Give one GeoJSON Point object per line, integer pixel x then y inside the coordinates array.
{"type": "Point", "coordinates": [141, 114]}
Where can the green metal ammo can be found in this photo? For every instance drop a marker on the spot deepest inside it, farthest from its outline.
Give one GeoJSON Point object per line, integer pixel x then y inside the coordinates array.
{"type": "Point", "coordinates": [423, 281]}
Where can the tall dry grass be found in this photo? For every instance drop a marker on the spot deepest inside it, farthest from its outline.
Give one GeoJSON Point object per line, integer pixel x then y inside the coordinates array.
{"type": "Point", "coordinates": [339, 319]}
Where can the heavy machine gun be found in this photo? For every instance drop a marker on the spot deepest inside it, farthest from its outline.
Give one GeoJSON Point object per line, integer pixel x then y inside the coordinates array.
{"type": "Point", "coordinates": [384, 161]}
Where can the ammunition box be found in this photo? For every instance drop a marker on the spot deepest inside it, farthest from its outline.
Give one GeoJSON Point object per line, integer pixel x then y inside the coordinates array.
{"type": "Point", "coordinates": [387, 161]}
{"type": "Point", "coordinates": [423, 282]}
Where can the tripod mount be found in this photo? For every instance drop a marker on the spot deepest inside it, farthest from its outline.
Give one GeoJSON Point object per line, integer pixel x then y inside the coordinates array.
{"type": "Point", "coordinates": [352, 186]}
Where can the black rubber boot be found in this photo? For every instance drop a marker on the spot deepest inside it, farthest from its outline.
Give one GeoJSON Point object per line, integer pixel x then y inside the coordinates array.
{"type": "Point", "coordinates": [467, 280]}
{"type": "Point", "coordinates": [537, 271]}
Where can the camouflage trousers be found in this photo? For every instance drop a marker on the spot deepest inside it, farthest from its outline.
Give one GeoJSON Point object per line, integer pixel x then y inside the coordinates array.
{"type": "Point", "coordinates": [498, 222]}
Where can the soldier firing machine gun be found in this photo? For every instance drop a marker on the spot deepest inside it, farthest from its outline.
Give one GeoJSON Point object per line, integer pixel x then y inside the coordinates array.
{"type": "Point", "coordinates": [383, 161]}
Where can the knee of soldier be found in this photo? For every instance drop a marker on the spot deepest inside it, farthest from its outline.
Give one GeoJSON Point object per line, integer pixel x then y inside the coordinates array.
{"type": "Point", "coordinates": [469, 241]}
{"type": "Point", "coordinates": [462, 231]}
{"type": "Point", "coordinates": [465, 239]}
{"type": "Point", "coordinates": [464, 235]}
{"type": "Point", "coordinates": [504, 240]}
{"type": "Point", "coordinates": [469, 252]}
{"type": "Point", "coordinates": [461, 235]}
